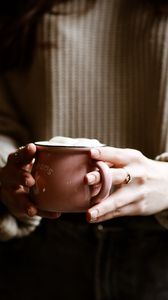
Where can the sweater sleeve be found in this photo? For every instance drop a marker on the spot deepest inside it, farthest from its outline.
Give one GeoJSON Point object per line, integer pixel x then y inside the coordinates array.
{"type": "Point", "coordinates": [11, 118]}
{"type": "Point", "coordinates": [10, 227]}
{"type": "Point", "coordinates": [162, 217]}
{"type": "Point", "coordinates": [13, 133]}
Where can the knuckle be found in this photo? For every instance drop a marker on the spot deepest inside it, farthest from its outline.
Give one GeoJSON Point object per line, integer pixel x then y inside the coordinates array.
{"type": "Point", "coordinates": [138, 154]}
{"type": "Point", "coordinates": [116, 213]}
{"type": "Point", "coordinates": [134, 153]}
{"type": "Point", "coordinates": [142, 180]}
{"type": "Point", "coordinates": [142, 175]}
{"type": "Point", "coordinates": [26, 179]}
{"type": "Point", "coordinates": [118, 203]}
{"type": "Point", "coordinates": [98, 153]}
{"type": "Point", "coordinates": [96, 176]}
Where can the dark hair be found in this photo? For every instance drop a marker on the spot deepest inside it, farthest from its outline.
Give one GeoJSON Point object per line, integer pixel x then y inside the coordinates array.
{"type": "Point", "coordinates": [18, 20]}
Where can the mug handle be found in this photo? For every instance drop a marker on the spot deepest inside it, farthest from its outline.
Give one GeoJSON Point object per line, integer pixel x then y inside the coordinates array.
{"type": "Point", "coordinates": [106, 180]}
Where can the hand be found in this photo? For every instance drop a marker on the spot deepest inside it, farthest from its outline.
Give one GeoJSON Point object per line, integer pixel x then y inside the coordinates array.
{"type": "Point", "coordinates": [145, 194]}
{"type": "Point", "coordinates": [16, 180]}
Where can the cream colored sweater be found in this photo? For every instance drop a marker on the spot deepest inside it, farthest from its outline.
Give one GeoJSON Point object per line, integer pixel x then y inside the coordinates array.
{"type": "Point", "coordinates": [99, 74]}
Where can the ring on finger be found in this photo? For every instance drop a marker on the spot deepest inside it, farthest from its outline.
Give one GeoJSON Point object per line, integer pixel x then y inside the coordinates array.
{"type": "Point", "coordinates": [16, 154]}
{"type": "Point", "coordinates": [21, 148]}
{"type": "Point", "coordinates": [18, 150]}
{"type": "Point", "coordinates": [128, 178]}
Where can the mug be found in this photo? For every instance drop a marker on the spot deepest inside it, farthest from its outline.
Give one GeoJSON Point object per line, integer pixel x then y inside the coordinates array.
{"type": "Point", "coordinates": [59, 173]}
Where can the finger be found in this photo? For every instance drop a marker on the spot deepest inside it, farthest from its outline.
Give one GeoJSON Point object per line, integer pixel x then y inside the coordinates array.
{"type": "Point", "coordinates": [119, 176]}
{"type": "Point", "coordinates": [23, 155]}
{"type": "Point", "coordinates": [24, 203]}
{"type": "Point", "coordinates": [95, 189]}
{"type": "Point", "coordinates": [93, 178]}
{"type": "Point", "coordinates": [17, 179]}
{"type": "Point", "coordinates": [31, 210]}
{"type": "Point", "coordinates": [18, 202]}
{"type": "Point", "coordinates": [116, 156]}
{"type": "Point", "coordinates": [133, 209]}
{"type": "Point", "coordinates": [25, 179]}
{"type": "Point", "coordinates": [118, 199]}
{"type": "Point", "coordinates": [29, 166]}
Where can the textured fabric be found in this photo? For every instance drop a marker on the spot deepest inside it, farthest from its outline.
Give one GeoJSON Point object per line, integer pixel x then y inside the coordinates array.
{"type": "Point", "coordinates": [99, 74]}
{"type": "Point", "coordinates": [66, 260]}
{"type": "Point", "coordinates": [11, 228]}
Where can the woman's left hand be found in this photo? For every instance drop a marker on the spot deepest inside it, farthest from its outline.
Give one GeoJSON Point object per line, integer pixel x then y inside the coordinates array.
{"type": "Point", "coordinates": [140, 184]}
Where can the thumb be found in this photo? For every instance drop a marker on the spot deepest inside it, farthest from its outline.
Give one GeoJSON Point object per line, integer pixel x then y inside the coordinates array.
{"type": "Point", "coordinates": [115, 156]}
{"type": "Point", "coordinates": [23, 155]}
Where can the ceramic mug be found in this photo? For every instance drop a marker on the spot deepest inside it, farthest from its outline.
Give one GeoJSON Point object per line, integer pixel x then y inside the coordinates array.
{"type": "Point", "coordinates": [59, 173]}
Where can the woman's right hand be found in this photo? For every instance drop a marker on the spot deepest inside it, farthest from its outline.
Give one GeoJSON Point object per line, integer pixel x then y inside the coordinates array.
{"type": "Point", "coordinates": [16, 181]}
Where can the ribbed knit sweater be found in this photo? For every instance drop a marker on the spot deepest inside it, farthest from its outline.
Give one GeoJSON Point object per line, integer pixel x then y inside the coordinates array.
{"type": "Point", "coordinates": [97, 73]}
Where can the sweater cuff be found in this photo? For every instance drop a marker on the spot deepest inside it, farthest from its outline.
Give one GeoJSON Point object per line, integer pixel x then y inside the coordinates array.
{"type": "Point", "coordinates": [10, 227]}
{"type": "Point", "coordinates": [162, 217]}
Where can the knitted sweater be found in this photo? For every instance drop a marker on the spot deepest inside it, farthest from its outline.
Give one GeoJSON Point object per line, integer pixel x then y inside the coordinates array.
{"type": "Point", "coordinates": [99, 74]}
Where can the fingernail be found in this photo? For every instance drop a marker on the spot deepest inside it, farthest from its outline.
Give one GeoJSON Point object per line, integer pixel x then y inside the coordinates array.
{"type": "Point", "coordinates": [95, 153]}
{"type": "Point", "coordinates": [28, 146]}
{"type": "Point", "coordinates": [31, 211]}
{"type": "Point", "coordinates": [90, 178]}
{"type": "Point", "coordinates": [93, 215]}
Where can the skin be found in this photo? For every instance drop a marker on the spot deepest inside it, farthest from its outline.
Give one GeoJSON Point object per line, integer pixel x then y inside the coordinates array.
{"type": "Point", "coordinates": [146, 194]}
{"type": "Point", "coordinates": [16, 181]}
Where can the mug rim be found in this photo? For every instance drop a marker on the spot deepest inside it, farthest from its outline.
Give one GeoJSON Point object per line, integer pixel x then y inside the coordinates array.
{"type": "Point", "coordinates": [47, 144]}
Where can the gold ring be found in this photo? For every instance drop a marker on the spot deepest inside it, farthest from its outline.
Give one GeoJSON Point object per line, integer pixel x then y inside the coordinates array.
{"type": "Point", "coordinates": [22, 147]}
{"type": "Point", "coordinates": [18, 151]}
{"type": "Point", "coordinates": [128, 178]}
